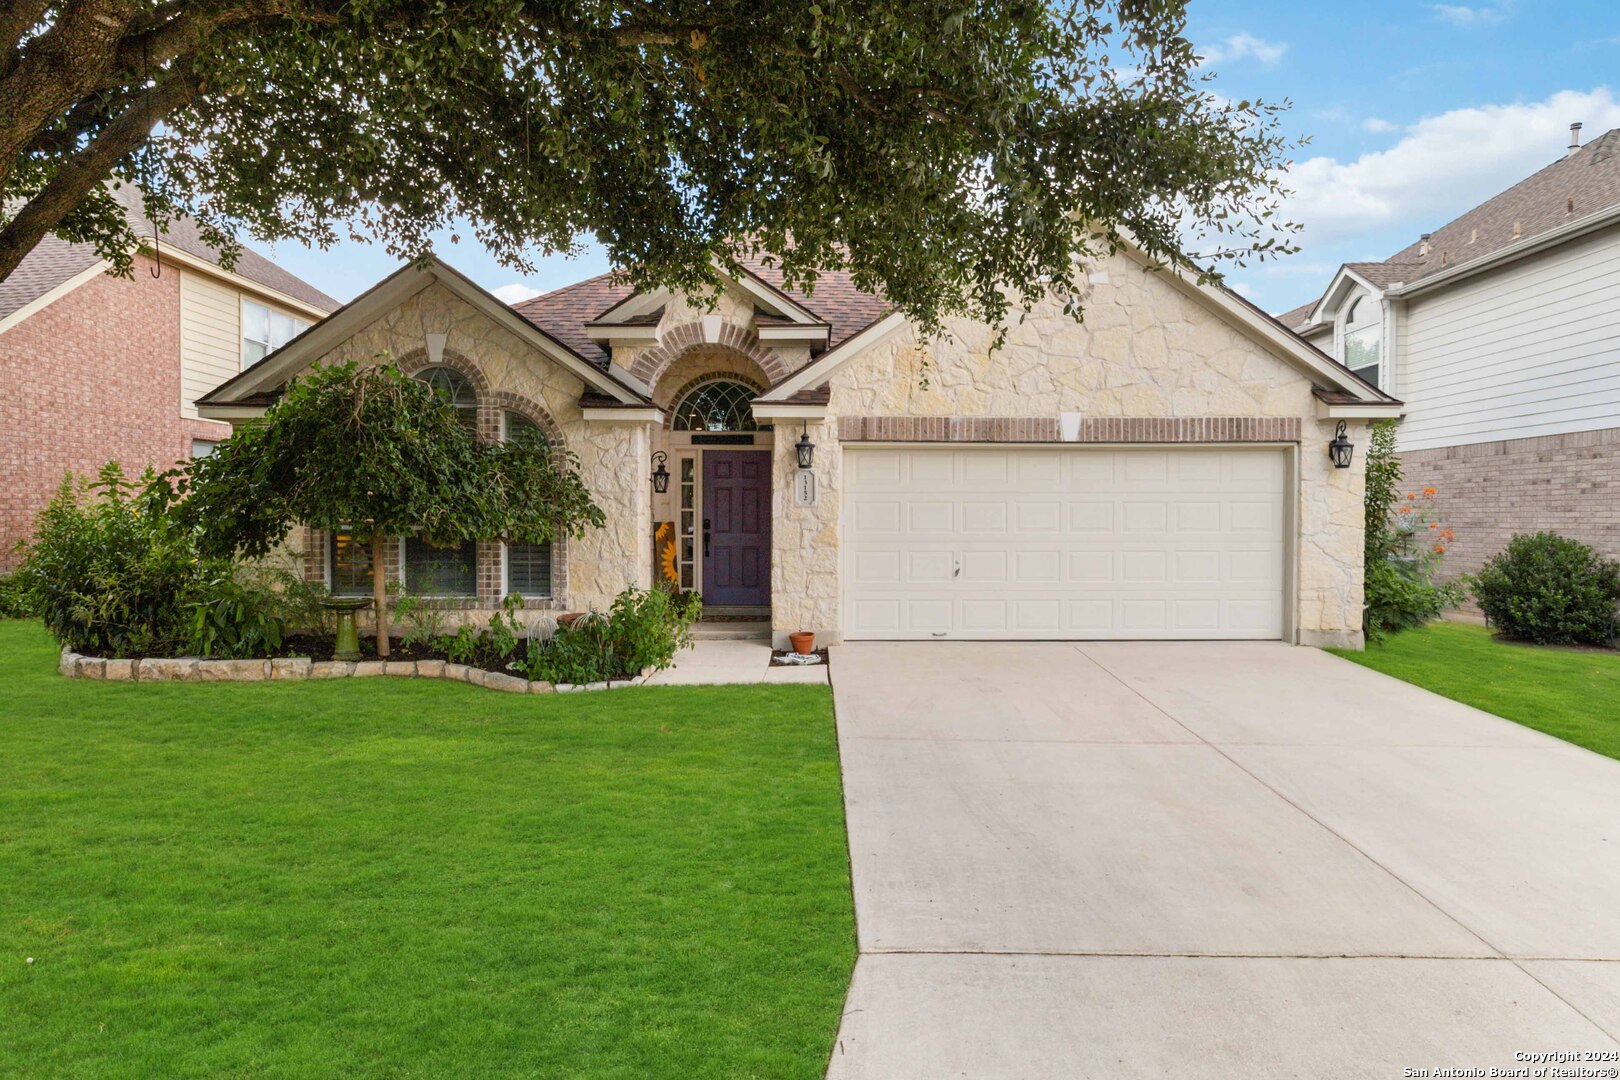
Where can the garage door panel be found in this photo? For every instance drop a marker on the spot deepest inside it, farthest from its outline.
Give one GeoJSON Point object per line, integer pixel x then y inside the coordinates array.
{"type": "Point", "coordinates": [930, 517]}
{"type": "Point", "coordinates": [1064, 543]}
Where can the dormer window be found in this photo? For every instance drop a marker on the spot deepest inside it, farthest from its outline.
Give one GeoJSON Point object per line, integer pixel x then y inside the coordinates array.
{"type": "Point", "coordinates": [1363, 334]}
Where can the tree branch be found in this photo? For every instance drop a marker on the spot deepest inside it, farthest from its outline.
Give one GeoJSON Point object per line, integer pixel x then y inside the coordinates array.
{"type": "Point", "coordinates": [91, 166]}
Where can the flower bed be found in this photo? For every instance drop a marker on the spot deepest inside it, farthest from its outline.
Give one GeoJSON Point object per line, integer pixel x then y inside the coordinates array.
{"type": "Point", "coordinates": [293, 668]}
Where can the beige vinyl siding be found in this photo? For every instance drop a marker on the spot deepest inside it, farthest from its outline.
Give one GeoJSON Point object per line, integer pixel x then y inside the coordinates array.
{"type": "Point", "coordinates": [1533, 349]}
{"type": "Point", "coordinates": [210, 337]}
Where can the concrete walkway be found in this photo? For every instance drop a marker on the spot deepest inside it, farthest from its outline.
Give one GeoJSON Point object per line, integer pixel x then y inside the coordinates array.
{"type": "Point", "coordinates": [1211, 860]}
{"type": "Point", "coordinates": [711, 662]}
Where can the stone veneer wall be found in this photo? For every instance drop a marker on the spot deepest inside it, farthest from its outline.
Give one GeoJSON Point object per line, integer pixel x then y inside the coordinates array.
{"type": "Point", "coordinates": [1487, 492]}
{"type": "Point", "coordinates": [1145, 351]}
{"type": "Point", "coordinates": [511, 374]}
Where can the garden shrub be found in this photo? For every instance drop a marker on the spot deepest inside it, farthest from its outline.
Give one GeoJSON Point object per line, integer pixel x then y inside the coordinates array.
{"type": "Point", "coordinates": [1550, 590]}
{"type": "Point", "coordinates": [111, 573]}
{"type": "Point", "coordinates": [16, 599]}
{"type": "Point", "coordinates": [643, 629]}
{"type": "Point", "coordinates": [1403, 546]}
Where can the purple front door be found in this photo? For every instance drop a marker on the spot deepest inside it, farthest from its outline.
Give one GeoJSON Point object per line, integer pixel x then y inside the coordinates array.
{"type": "Point", "coordinates": [736, 527]}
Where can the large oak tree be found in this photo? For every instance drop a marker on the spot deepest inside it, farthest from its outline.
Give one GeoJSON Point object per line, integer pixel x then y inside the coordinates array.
{"type": "Point", "coordinates": [949, 152]}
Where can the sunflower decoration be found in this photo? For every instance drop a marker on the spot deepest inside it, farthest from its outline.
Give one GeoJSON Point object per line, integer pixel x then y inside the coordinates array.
{"type": "Point", "coordinates": [664, 551]}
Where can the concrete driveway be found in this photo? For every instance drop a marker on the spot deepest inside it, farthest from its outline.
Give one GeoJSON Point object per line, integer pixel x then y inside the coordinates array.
{"type": "Point", "coordinates": [1212, 860]}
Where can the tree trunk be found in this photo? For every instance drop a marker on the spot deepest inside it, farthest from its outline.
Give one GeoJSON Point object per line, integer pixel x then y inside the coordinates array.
{"type": "Point", "coordinates": [379, 593]}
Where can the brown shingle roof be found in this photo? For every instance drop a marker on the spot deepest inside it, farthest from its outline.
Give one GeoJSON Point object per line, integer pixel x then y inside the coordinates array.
{"type": "Point", "coordinates": [55, 261]}
{"type": "Point", "coordinates": [1537, 204]}
{"type": "Point", "coordinates": [51, 263]}
{"type": "Point", "coordinates": [1294, 318]}
{"type": "Point", "coordinates": [846, 309]}
{"type": "Point", "coordinates": [564, 313]}
{"type": "Point", "coordinates": [1387, 273]}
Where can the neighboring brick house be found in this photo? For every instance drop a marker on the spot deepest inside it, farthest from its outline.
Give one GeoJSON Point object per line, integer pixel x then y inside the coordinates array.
{"type": "Point", "coordinates": [1160, 471]}
{"type": "Point", "coordinates": [96, 368]}
{"type": "Point", "coordinates": [1501, 333]}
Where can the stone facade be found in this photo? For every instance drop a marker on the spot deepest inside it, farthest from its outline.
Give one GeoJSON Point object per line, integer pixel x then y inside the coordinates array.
{"type": "Point", "coordinates": [510, 374]}
{"type": "Point", "coordinates": [1146, 352]}
{"type": "Point", "coordinates": [1151, 363]}
{"type": "Point", "coordinates": [1487, 492]}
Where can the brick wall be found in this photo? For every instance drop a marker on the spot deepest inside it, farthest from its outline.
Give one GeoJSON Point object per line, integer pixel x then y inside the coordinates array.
{"type": "Point", "coordinates": [94, 376]}
{"type": "Point", "coordinates": [1568, 484]}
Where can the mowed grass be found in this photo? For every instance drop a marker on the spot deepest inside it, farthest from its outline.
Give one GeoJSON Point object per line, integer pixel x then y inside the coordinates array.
{"type": "Point", "coordinates": [409, 878]}
{"type": "Point", "coordinates": [1573, 694]}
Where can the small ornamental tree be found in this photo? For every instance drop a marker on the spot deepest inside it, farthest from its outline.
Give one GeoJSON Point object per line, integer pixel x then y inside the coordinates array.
{"type": "Point", "coordinates": [376, 454]}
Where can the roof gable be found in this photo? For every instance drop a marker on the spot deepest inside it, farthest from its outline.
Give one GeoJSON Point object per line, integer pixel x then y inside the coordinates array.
{"type": "Point", "coordinates": [272, 372]}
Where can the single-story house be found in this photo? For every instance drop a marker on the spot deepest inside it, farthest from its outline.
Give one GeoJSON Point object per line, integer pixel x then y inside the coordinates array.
{"type": "Point", "coordinates": [1159, 470]}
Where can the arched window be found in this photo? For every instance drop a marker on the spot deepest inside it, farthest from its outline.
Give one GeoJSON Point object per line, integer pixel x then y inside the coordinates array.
{"type": "Point", "coordinates": [456, 389]}
{"type": "Point", "coordinates": [717, 405]}
{"type": "Point", "coordinates": [1363, 338]}
{"type": "Point", "coordinates": [528, 566]}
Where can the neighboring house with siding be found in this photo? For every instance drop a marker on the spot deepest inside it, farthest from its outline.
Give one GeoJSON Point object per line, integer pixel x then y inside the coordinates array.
{"type": "Point", "coordinates": [96, 368]}
{"type": "Point", "coordinates": [1501, 333]}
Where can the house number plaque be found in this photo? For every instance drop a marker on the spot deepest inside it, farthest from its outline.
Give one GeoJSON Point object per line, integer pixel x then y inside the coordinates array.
{"type": "Point", "coordinates": [804, 488]}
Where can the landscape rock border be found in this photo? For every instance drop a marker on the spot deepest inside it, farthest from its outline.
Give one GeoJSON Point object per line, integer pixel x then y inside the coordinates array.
{"type": "Point", "coordinates": [283, 669]}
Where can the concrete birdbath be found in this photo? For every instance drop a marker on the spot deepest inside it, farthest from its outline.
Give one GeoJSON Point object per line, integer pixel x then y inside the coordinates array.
{"type": "Point", "coordinates": [348, 634]}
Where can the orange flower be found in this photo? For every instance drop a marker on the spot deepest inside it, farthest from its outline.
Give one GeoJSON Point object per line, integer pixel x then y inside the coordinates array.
{"type": "Point", "coordinates": [1429, 493]}
{"type": "Point", "coordinates": [1406, 509]}
{"type": "Point", "coordinates": [1448, 535]}
{"type": "Point", "coordinates": [1411, 494]}
{"type": "Point", "coordinates": [1433, 525]}
{"type": "Point", "coordinates": [1439, 549]}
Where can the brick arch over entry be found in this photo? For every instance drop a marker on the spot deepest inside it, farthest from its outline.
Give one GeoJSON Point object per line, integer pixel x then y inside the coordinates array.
{"type": "Point", "coordinates": [652, 363]}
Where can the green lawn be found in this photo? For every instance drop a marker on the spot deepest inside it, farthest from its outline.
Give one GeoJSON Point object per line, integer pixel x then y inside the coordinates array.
{"type": "Point", "coordinates": [1573, 694]}
{"type": "Point", "coordinates": [415, 879]}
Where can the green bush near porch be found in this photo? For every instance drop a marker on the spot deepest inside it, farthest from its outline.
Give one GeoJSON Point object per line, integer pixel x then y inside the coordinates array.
{"type": "Point", "coordinates": [381, 877]}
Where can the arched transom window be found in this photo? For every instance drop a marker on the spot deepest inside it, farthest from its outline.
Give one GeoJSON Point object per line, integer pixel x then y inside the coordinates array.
{"type": "Point", "coordinates": [717, 405]}
{"type": "Point", "coordinates": [456, 389]}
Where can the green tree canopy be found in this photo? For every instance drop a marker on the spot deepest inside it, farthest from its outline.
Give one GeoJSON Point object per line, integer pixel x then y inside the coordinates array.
{"type": "Point", "coordinates": [950, 155]}
{"type": "Point", "coordinates": [374, 453]}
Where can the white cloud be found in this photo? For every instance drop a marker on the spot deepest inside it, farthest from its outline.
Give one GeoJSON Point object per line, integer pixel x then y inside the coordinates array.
{"type": "Point", "coordinates": [1461, 15]}
{"type": "Point", "coordinates": [1441, 166]}
{"type": "Point", "coordinates": [1245, 47]}
{"type": "Point", "coordinates": [515, 293]}
{"type": "Point", "coordinates": [1376, 126]}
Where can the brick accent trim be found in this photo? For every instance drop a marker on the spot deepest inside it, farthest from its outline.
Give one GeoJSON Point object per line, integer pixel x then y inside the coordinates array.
{"type": "Point", "coordinates": [1105, 429]}
{"type": "Point", "coordinates": [489, 416]}
{"type": "Point", "coordinates": [653, 362]}
{"type": "Point", "coordinates": [506, 401]}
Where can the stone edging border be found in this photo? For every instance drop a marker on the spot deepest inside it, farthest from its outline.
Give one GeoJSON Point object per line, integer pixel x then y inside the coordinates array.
{"type": "Point", "coordinates": [286, 669]}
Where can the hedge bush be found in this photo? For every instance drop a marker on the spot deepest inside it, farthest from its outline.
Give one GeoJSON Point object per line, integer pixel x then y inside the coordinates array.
{"type": "Point", "coordinates": [1551, 590]}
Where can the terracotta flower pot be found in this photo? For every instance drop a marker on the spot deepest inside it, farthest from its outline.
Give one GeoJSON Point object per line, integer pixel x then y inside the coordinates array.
{"type": "Point", "coordinates": [803, 643]}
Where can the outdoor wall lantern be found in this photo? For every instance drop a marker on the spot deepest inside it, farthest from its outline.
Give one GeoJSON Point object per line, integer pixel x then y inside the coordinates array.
{"type": "Point", "coordinates": [660, 476]}
{"type": "Point", "coordinates": [1341, 449]}
{"type": "Point", "coordinates": [804, 447]}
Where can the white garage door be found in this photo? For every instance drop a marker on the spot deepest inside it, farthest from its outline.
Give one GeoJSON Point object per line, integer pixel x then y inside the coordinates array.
{"type": "Point", "coordinates": [1063, 543]}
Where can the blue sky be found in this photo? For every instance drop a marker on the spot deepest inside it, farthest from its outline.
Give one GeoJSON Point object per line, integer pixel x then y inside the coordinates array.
{"type": "Point", "coordinates": [1415, 112]}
